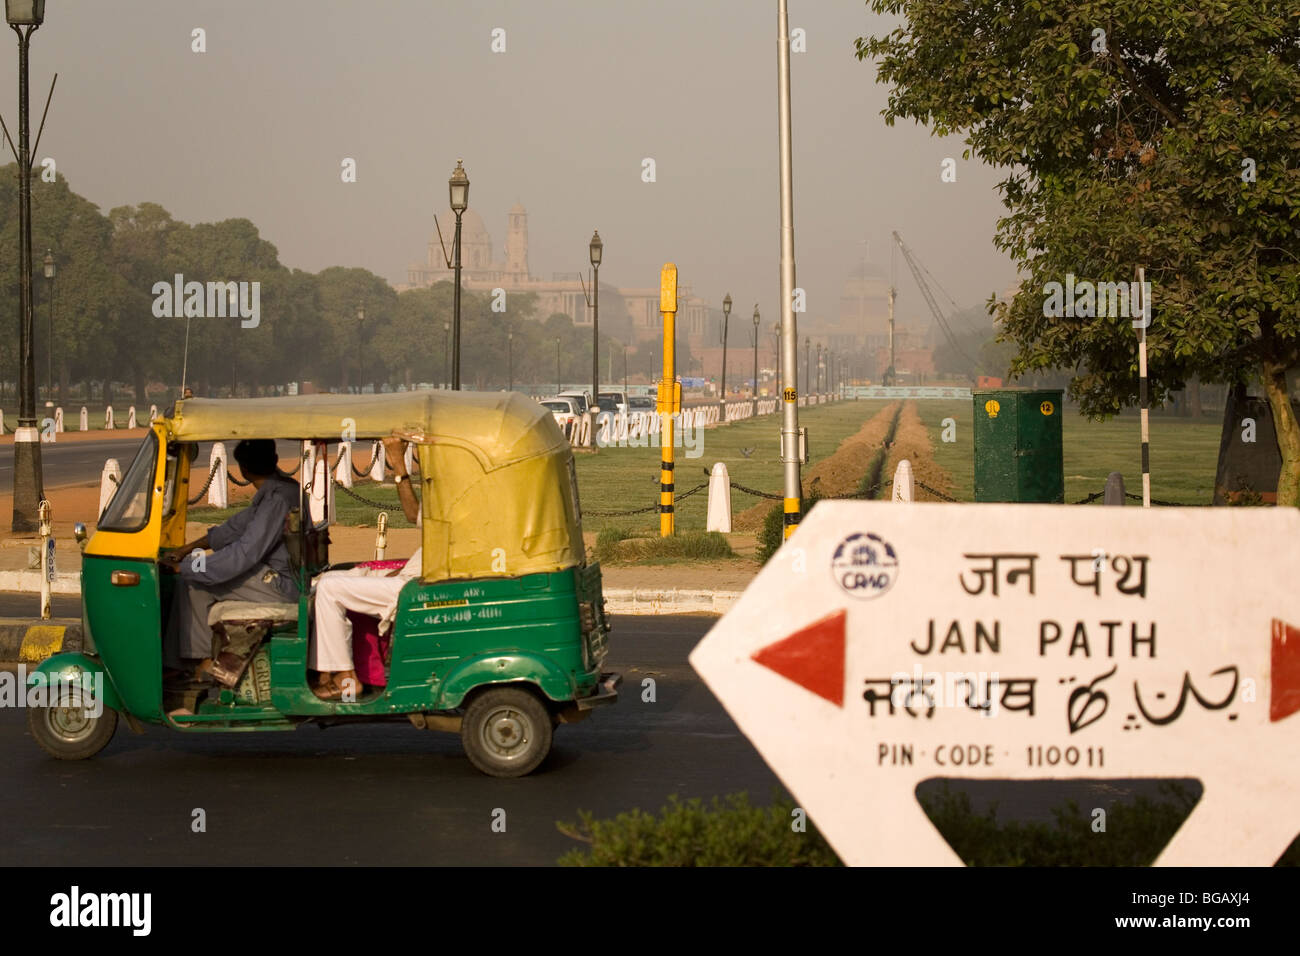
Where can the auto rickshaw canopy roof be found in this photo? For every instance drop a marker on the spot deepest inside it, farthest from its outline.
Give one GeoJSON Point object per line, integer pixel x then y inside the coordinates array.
{"type": "Point", "coordinates": [496, 471]}
{"type": "Point", "coordinates": [501, 425]}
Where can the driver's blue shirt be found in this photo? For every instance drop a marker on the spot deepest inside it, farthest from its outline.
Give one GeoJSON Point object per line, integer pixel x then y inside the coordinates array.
{"type": "Point", "coordinates": [252, 537]}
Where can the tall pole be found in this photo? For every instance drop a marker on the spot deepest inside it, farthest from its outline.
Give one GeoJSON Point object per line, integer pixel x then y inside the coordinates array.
{"type": "Point", "coordinates": [669, 398]}
{"type": "Point", "coordinates": [789, 331]}
{"type": "Point", "coordinates": [726, 318]}
{"type": "Point", "coordinates": [185, 361]}
{"type": "Point", "coordinates": [754, 395]}
{"type": "Point", "coordinates": [446, 354]}
{"type": "Point", "coordinates": [807, 358]}
{"type": "Point", "coordinates": [595, 339]}
{"type": "Point", "coordinates": [1144, 396]}
{"type": "Point", "coordinates": [510, 361]}
{"type": "Point", "coordinates": [361, 349]}
{"type": "Point", "coordinates": [49, 273]}
{"type": "Point", "coordinates": [458, 194]}
{"type": "Point", "coordinates": [455, 310]}
{"type": "Point", "coordinates": [891, 375]}
{"type": "Point", "coordinates": [28, 486]}
{"type": "Point", "coordinates": [776, 338]}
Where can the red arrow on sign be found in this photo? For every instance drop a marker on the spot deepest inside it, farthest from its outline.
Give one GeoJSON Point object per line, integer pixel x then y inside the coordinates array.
{"type": "Point", "coordinates": [1284, 699]}
{"type": "Point", "coordinates": [812, 657]}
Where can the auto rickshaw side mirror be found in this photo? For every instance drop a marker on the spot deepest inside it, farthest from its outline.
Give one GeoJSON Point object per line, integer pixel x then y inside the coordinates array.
{"type": "Point", "coordinates": [79, 532]}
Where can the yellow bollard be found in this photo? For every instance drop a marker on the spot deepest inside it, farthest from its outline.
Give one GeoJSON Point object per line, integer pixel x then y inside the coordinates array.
{"type": "Point", "coordinates": [670, 398]}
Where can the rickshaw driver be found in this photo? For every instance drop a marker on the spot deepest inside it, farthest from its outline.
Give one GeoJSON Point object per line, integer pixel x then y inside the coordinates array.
{"type": "Point", "coordinates": [249, 560]}
{"type": "Point", "coordinates": [363, 590]}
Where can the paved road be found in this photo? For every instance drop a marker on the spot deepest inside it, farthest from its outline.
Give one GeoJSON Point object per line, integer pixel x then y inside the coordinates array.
{"type": "Point", "coordinates": [377, 794]}
{"type": "Point", "coordinates": [82, 462]}
{"type": "Point", "coordinates": [70, 463]}
{"type": "Point", "coordinates": [389, 794]}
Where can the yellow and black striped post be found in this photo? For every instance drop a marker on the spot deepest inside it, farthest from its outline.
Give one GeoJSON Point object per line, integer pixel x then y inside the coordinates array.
{"type": "Point", "coordinates": [669, 398]}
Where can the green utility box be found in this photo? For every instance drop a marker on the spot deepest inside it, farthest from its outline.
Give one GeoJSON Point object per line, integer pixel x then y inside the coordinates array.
{"type": "Point", "coordinates": [1018, 445]}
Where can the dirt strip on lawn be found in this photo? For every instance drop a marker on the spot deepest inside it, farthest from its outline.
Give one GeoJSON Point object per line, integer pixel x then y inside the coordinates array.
{"type": "Point", "coordinates": [912, 441]}
{"type": "Point", "coordinates": [840, 474]}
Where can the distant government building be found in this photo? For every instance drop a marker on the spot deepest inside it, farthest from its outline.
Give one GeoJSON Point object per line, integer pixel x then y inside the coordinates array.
{"type": "Point", "coordinates": [481, 271]}
{"type": "Point", "coordinates": [860, 322]}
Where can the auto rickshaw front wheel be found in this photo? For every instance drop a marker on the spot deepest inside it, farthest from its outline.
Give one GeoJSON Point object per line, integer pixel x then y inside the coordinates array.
{"type": "Point", "coordinates": [71, 732]}
{"type": "Point", "coordinates": [506, 732]}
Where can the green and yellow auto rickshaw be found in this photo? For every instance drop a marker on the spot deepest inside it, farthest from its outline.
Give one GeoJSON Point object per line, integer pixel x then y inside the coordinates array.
{"type": "Point", "coordinates": [501, 637]}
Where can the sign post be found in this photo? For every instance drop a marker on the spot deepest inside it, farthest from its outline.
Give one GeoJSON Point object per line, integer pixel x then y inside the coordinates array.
{"type": "Point", "coordinates": [670, 398]}
{"type": "Point", "coordinates": [1022, 643]}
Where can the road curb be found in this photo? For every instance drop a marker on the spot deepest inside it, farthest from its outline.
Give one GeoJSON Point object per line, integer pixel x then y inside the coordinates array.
{"type": "Point", "coordinates": [668, 601]}
{"type": "Point", "coordinates": [67, 582]}
{"type": "Point", "coordinates": [24, 642]}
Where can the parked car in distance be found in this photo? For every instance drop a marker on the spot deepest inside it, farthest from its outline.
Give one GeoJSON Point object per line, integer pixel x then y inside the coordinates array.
{"type": "Point", "coordinates": [564, 408]}
{"type": "Point", "coordinates": [641, 403]}
{"type": "Point", "coordinates": [581, 399]}
{"type": "Point", "coordinates": [612, 402]}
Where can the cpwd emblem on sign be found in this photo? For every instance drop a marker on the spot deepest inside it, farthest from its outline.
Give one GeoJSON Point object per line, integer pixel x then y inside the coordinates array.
{"type": "Point", "coordinates": [864, 565]}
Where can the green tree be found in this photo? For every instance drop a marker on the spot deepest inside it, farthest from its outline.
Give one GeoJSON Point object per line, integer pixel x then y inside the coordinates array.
{"type": "Point", "coordinates": [345, 339]}
{"type": "Point", "coordinates": [141, 237]}
{"type": "Point", "coordinates": [223, 352]}
{"type": "Point", "coordinates": [85, 286]}
{"type": "Point", "coordinates": [1155, 133]}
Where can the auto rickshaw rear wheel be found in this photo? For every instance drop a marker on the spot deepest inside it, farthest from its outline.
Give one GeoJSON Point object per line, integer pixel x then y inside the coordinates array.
{"type": "Point", "coordinates": [71, 732]}
{"type": "Point", "coordinates": [506, 732]}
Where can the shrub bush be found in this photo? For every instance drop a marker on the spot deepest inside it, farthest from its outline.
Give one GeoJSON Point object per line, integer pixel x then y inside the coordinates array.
{"type": "Point", "coordinates": [607, 543]}
{"type": "Point", "coordinates": [616, 546]}
{"type": "Point", "coordinates": [731, 832]}
{"type": "Point", "coordinates": [773, 533]}
{"type": "Point", "coordinates": [728, 832]}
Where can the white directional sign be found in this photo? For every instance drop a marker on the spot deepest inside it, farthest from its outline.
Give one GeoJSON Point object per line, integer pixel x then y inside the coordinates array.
{"type": "Point", "coordinates": [886, 644]}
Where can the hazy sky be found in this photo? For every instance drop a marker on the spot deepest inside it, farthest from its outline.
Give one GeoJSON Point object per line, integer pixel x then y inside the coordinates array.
{"type": "Point", "coordinates": [258, 126]}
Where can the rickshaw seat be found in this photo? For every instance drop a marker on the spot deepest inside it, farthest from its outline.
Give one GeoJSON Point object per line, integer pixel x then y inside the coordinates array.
{"type": "Point", "coordinates": [238, 629]}
{"type": "Point", "coordinates": [276, 613]}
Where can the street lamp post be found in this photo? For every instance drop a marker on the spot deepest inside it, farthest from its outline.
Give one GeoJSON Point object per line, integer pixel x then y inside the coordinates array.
{"type": "Point", "coordinates": [25, 17]}
{"type": "Point", "coordinates": [361, 348]}
{"type": "Point", "coordinates": [819, 367]}
{"type": "Point", "coordinates": [756, 321]}
{"type": "Point", "coordinates": [458, 187]}
{"type": "Point", "coordinates": [596, 250]}
{"type": "Point", "coordinates": [807, 360]}
{"type": "Point", "coordinates": [49, 286]}
{"type": "Point", "coordinates": [776, 334]}
{"type": "Point", "coordinates": [510, 361]}
{"type": "Point", "coordinates": [446, 353]}
{"type": "Point", "coordinates": [726, 319]}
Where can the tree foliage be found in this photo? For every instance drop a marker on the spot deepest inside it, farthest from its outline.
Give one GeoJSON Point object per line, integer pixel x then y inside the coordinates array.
{"type": "Point", "coordinates": [310, 326]}
{"type": "Point", "coordinates": [1154, 133]}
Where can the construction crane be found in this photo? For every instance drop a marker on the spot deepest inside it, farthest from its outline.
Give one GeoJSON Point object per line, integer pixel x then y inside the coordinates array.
{"type": "Point", "coordinates": [917, 270]}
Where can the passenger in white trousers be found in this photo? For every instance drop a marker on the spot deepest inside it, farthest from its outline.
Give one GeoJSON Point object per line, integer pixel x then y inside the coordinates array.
{"type": "Point", "coordinates": [364, 590]}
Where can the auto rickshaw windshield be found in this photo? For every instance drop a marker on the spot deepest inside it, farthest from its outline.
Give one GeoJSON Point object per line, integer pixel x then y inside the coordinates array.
{"type": "Point", "coordinates": [128, 509]}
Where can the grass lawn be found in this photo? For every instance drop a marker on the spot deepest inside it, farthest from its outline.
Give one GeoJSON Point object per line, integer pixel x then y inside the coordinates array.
{"type": "Point", "coordinates": [1183, 453]}
{"type": "Point", "coordinates": [620, 479]}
